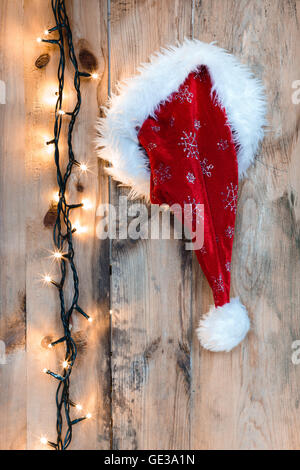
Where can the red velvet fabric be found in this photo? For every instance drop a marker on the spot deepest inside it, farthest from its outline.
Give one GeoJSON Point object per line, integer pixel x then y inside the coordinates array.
{"type": "Point", "coordinates": [193, 160]}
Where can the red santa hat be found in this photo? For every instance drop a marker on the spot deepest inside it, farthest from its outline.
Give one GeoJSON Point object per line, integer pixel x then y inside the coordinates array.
{"type": "Point", "coordinates": [184, 131]}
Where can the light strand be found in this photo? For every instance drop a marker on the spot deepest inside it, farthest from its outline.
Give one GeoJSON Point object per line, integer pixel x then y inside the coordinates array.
{"type": "Point", "coordinates": [63, 229]}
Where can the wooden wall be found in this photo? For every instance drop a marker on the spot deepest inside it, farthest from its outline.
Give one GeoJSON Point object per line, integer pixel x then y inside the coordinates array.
{"type": "Point", "coordinates": [141, 371]}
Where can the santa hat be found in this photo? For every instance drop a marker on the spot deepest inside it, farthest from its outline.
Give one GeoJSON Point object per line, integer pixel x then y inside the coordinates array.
{"type": "Point", "coordinates": [184, 131]}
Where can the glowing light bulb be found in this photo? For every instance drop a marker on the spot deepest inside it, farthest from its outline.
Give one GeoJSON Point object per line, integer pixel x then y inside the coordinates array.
{"type": "Point", "coordinates": [38, 39]}
{"type": "Point", "coordinates": [87, 205]}
{"type": "Point", "coordinates": [44, 441]}
{"type": "Point", "coordinates": [46, 32]}
{"type": "Point", "coordinates": [78, 407]}
{"type": "Point", "coordinates": [47, 279]}
{"type": "Point", "coordinates": [95, 76]}
{"type": "Point", "coordinates": [79, 228]}
{"type": "Point", "coordinates": [57, 255]}
{"type": "Point", "coordinates": [45, 371]}
{"type": "Point", "coordinates": [90, 320]}
{"type": "Point", "coordinates": [51, 99]}
{"type": "Point", "coordinates": [88, 416]}
{"type": "Point", "coordinates": [49, 147]}
{"type": "Point", "coordinates": [65, 365]}
{"type": "Point", "coordinates": [83, 167]}
{"type": "Point", "coordinates": [50, 346]}
{"type": "Point", "coordinates": [61, 112]}
{"type": "Point", "coordinates": [56, 197]}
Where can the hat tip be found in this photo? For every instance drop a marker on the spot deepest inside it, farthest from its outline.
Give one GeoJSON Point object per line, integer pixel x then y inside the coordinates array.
{"type": "Point", "coordinates": [223, 328]}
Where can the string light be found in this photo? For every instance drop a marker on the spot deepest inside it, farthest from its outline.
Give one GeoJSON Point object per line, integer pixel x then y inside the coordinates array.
{"type": "Point", "coordinates": [47, 279]}
{"type": "Point", "coordinates": [86, 204]}
{"type": "Point", "coordinates": [83, 167]}
{"type": "Point", "coordinates": [80, 229]}
{"type": "Point", "coordinates": [49, 147]}
{"type": "Point", "coordinates": [55, 197]}
{"type": "Point", "coordinates": [58, 256]}
{"type": "Point", "coordinates": [63, 229]}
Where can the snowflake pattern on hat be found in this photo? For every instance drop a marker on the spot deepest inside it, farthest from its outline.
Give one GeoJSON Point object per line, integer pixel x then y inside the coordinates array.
{"type": "Point", "coordinates": [184, 95]}
{"type": "Point", "coordinates": [229, 232]}
{"type": "Point", "coordinates": [161, 174]}
{"type": "Point", "coordinates": [218, 283]}
{"type": "Point", "coordinates": [194, 211]}
{"type": "Point", "coordinates": [197, 125]}
{"type": "Point", "coordinates": [231, 195]}
{"type": "Point", "coordinates": [206, 167]}
{"type": "Point", "coordinates": [190, 146]}
{"type": "Point", "coordinates": [151, 146]}
{"type": "Point", "coordinates": [191, 177]}
{"type": "Point", "coordinates": [223, 144]}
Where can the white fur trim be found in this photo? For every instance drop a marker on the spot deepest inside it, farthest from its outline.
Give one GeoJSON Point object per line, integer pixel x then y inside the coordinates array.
{"type": "Point", "coordinates": [237, 90]}
{"type": "Point", "coordinates": [223, 328]}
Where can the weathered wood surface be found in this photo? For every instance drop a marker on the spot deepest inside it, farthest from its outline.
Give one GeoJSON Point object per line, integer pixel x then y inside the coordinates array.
{"type": "Point", "coordinates": [12, 230]}
{"type": "Point", "coordinates": [166, 392]}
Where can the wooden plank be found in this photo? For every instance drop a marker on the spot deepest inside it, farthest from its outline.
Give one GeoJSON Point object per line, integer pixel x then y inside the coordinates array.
{"type": "Point", "coordinates": [151, 288]}
{"type": "Point", "coordinates": [12, 229]}
{"type": "Point", "coordinates": [249, 399]}
{"type": "Point", "coordinates": [91, 378]}
{"type": "Point", "coordinates": [167, 393]}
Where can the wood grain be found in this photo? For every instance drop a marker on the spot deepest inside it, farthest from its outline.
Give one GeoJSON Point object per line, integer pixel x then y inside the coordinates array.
{"type": "Point", "coordinates": [249, 398]}
{"type": "Point", "coordinates": [91, 378]}
{"type": "Point", "coordinates": [12, 229]}
{"type": "Point", "coordinates": [151, 280]}
{"type": "Point", "coordinates": [141, 372]}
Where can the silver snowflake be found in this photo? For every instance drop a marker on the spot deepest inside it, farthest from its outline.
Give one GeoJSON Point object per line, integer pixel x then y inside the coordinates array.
{"type": "Point", "coordinates": [190, 177]}
{"type": "Point", "coordinates": [161, 174]}
{"type": "Point", "coordinates": [203, 251]}
{"type": "Point", "coordinates": [151, 146]}
{"type": "Point", "coordinates": [190, 145]}
{"type": "Point", "coordinates": [197, 125]}
{"type": "Point", "coordinates": [230, 201]}
{"type": "Point", "coordinates": [218, 284]}
{"type": "Point", "coordinates": [223, 145]}
{"type": "Point", "coordinates": [194, 211]}
{"type": "Point", "coordinates": [184, 95]}
{"type": "Point", "coordinates": [206, 167]}
{"type": "Point", "coordinates": [228, 266]}
{"type": "Point", "coordinates": [156, 128]}
{"type": "Point", "coordinates": [229, 232]}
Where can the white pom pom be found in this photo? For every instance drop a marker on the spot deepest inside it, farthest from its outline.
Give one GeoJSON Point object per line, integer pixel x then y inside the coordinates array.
{"type": "Point", "coordinates": [223, 328]}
